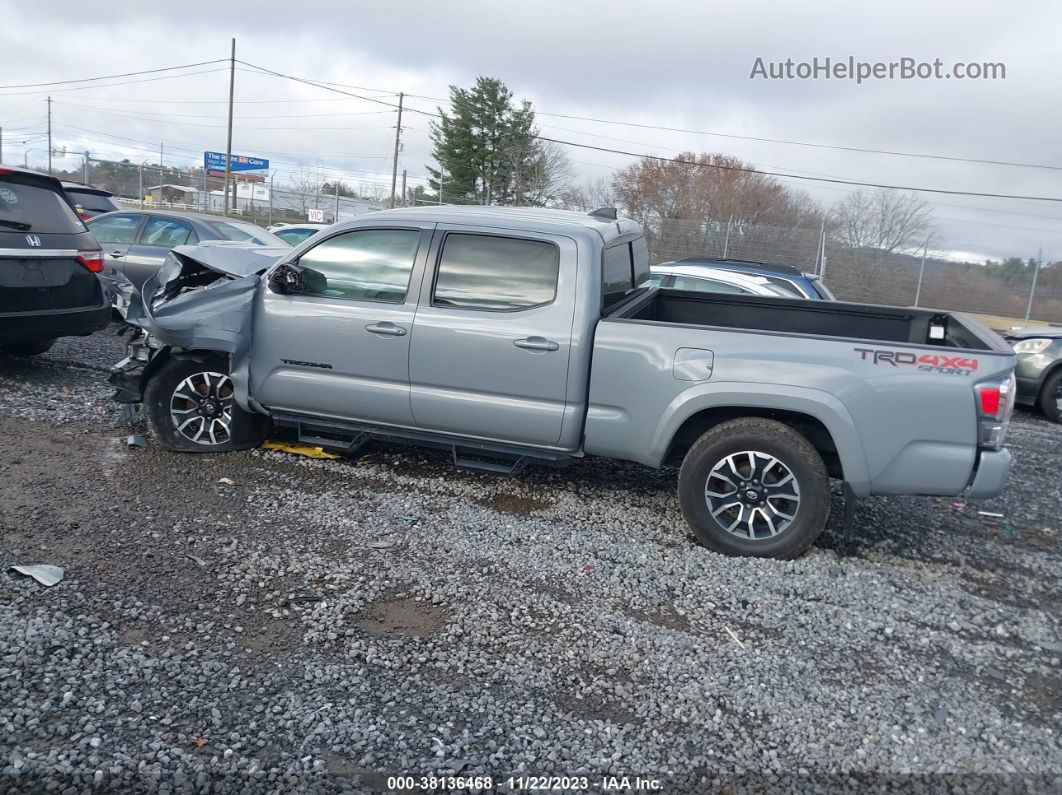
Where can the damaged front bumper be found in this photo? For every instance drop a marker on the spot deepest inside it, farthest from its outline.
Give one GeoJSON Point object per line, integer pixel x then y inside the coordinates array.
{"type": "Point", "coordinates": [128, 375]}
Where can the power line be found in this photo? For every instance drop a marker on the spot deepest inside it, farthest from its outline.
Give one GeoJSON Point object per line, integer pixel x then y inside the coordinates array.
{"type": "Point", "coordinates": [798, 176]}
{"type": "Point", "coordinates": [746, 170]}
{"type": "Point", "coordinates": [170, 116]}
{"type": "Point", "coordinates": [141, 117]}
{"type": "Point", "coordinates": [114, 77]}
{"type": "Point", "coordinates": [760, 139]}
{"type": "Point", "coordinates": [326, 87]}
{"type": "Point", "coordinates": [112, 85]}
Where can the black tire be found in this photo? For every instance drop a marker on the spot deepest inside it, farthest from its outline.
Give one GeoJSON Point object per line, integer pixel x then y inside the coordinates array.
{"type": "Point", "coordinates": [771, 440]}
{"type": "Point", "coordinates": [31, 348]}
{"type": "Point", "coordinates": [1050, 396]}
{"type": "Point", "coordinates": [209, 408]}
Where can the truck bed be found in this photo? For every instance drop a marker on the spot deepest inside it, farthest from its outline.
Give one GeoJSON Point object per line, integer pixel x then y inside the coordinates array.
{"type": "Point", "coordinates": [812, 318]}
{"type": "Point", "coordinates": [892, 388]}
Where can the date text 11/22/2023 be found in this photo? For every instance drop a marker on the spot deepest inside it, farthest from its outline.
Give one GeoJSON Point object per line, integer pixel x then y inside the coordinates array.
{"type": "Point", "coordinates": [432, 783]}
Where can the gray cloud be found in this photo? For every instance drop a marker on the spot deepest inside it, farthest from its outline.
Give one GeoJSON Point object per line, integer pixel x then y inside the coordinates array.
{"type": "Point", "coordinates": [683, 64]}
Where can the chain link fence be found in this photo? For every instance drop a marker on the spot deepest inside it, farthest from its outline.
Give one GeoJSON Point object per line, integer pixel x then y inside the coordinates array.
{"type": "Point", "coordinates": [861, 275]}
{"type": "Point", "coordinates": [865, 275]}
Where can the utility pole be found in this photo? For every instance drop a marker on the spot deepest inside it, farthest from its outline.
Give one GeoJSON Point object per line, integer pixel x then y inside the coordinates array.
{"type": "Point", "coordinates": [228, 145]}
{"type": "Point", "coordinates": [398, 140]}
{"type": "Point", "coordinates": [442, 181]}
{"type": "Point", "coordinates": [141, 169]}
{"type": "Point", "coordinates": [336, 219]}
{"type": "Point", "coordinates": [271, 199]}
{"type": "Point", "coordinates": [1032, 292]}
{"type": "Point", "coordinates": [921, 272]}
{"type": "Point", "coordinates": [49, 135]}
{"type": "Point", "coordinates": [1, 144]}
{"type": "Point", "coordinates": [84, 169]}
{"type": "Point", "coordinates": [404, 172]}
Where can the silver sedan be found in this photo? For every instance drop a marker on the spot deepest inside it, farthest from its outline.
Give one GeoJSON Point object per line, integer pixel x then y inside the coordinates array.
{"type": "Point", "coordinates": [136, 242]}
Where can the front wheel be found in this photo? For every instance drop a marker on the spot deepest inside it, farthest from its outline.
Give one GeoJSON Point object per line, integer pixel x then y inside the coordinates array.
{"type": "Point", "coordinates": [1051, 397]}
{"type": "Point", "coordinates": [191, 408]}
{"type": "Point", "coordinates": [755, 487]}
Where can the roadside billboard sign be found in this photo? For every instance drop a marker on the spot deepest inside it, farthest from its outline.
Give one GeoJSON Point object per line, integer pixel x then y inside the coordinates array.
{"type": "Point", "coordinates": [215, 161]}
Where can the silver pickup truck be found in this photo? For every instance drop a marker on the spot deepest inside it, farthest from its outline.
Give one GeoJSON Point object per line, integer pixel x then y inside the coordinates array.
{"type": "Point", "coordinates": [512, 337]}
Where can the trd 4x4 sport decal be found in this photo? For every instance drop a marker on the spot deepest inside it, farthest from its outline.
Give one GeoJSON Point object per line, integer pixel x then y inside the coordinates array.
{"type": "Point", "coordinates": [930, 362]}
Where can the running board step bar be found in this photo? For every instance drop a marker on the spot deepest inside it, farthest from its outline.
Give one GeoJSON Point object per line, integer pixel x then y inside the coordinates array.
{"type": "Point", "coordinates": [479, 461]}
{"type": "Point", "coordinates": [476, 456]}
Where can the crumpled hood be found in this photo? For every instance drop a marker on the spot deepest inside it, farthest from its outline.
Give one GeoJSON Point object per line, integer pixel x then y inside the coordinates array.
{"type": "Point", "coordinates": [202, 299]}
{"type": "Point", "coordinates": [233, 258]}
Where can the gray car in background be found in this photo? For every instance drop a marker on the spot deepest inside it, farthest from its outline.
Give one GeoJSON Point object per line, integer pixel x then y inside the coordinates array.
{"type": "Point", "coordinates": [1039, 370]}
{"type": "Point", "coordinates": [135, 242]}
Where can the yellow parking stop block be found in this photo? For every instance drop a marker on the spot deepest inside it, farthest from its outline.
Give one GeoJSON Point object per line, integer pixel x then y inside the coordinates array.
{"type": "Point", "coordinates": [300, 449]}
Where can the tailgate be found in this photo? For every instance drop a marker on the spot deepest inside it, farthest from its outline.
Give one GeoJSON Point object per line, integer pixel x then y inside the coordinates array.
{"type": "Point", "coordinates": [45, 280]}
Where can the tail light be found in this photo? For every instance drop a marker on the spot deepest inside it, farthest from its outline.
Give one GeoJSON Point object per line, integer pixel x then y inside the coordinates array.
{"type": "Point", "coordinates": [995, 403]}
{"type": "Point", "coordinates": [91, 259]}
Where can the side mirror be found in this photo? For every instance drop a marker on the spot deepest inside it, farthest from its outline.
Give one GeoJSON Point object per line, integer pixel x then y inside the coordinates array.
{"type": "Point", "coordinates": [287, 280]}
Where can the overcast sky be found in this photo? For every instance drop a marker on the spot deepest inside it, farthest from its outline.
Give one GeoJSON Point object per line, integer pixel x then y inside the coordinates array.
{"type": "Point", "coordinates": [664, 63]}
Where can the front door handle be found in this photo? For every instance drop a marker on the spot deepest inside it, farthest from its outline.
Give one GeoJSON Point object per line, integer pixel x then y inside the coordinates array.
{"type": "Point", "coordinates": [536, 344]}
{"type": "Point", "coordinates": [385, 329]}
{"type": "Point", "coordinates": [117, 254]}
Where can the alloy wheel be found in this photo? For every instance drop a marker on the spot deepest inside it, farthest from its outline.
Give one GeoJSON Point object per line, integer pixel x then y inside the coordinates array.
{"type": "Point", "coordinates": [752, 495]}
{"type": "Point", "coordinates": [201, 408]}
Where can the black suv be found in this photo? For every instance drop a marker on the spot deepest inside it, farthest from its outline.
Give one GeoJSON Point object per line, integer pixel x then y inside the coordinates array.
{"type": "Point", "coordinates": [90, 201]}
{"type": "Point", "coordinates": [49, 263]}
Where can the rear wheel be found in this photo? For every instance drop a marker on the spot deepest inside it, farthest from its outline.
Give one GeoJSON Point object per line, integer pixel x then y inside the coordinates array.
{"type": "Point", "coordinates": [31, 348]}
{"type": "Point", "coordinates": [191, 408]}
{"type": "Point", "coordinates": [755, 487]}
{"type": "Point", "coordinates": [1051, 397]}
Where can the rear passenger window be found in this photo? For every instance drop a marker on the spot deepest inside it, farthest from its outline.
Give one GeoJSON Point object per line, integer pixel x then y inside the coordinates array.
{"type": "Point", "coordinates": [501, 274]}
{"type": "Point", "coordinates": [167, 233]}
{"type": "Point", "coordinates": [114, 228]}
{"type": "Point", "coordinates": [366, 265]}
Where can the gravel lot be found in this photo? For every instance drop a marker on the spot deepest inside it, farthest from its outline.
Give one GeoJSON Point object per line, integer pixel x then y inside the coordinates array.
{"type": "Point", "coordinates": [316, 626]}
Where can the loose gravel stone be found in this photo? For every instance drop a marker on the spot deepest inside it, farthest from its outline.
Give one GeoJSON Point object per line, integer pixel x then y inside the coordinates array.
{"type": "Point", "coordinates": [316, 626]}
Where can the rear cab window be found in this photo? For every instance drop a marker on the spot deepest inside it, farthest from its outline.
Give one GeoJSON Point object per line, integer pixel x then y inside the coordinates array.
{"type": "Point", "coordinates": [28, 204]}
{"type": "Point", "coordinates": [624, 267]}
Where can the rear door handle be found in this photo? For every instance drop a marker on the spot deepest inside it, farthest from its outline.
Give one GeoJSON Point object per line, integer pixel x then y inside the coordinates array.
{"type": "Point", "coordinates": [536, 344]}
{"type": "Point", "coordinates": [385, 329]}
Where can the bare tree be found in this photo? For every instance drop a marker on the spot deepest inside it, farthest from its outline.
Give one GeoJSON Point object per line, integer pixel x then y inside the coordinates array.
{"type": "Point", "coordinates": [887, 220]}
{"type": "Point", "coordinates": [307, 186]}
{"type": "Point", "coordinates": [591, 196]}
{"type": "Point", "coordinates": [549, 175]}
{"type": "Point", "coordinates": [697, 187]}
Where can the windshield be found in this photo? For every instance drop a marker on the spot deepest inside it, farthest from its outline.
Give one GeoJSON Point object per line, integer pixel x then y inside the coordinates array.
{"type": "Point", "coordinates": [26, 204]}
{"type": "Point", "coordinates": [295, 236]}
{"type": "Point", "coordinates": [240, 230]}
{"type": "Point", "coordinates": [92, 203]}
